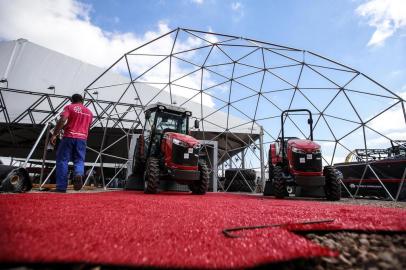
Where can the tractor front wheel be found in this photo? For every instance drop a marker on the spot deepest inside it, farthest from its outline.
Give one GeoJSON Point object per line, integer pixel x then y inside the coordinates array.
{"type": "Point", "coordinates": [278, 183]}
{"type": "Point", "coordinates": [151, 176]}
{"type": "Point", "coordinates": [332, 187]}
{"type": "Point", "coordinates": [200, 186]}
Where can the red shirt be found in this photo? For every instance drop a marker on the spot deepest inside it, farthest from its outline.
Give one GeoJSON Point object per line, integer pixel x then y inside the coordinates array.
{"type": "Point", "coordinates": [79, 120]}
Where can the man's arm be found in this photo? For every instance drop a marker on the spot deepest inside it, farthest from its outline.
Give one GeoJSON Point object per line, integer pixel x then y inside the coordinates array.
{"type": "Point", "coordinates": [59, 125]}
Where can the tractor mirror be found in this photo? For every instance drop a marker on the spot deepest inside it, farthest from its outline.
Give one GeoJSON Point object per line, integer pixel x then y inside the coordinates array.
{"type": "Point", "coordinates": [196, 123]}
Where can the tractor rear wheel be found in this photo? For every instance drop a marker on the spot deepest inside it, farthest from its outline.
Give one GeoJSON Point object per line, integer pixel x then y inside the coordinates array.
{"type": "Point", "coordinates": [278, 183]}
{"type": "Point", "coordinates": [151, 176]}
{"type": "Point", "coordinates": [200, 187]}
{"type": "Point", "coordinates": [17, 180]}
{"type": "Point", "coordinates": [332, 187]}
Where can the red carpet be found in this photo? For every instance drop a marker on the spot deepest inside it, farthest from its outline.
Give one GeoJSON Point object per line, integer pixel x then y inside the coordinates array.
{"type": "Point", "coordinates": [170, 230]}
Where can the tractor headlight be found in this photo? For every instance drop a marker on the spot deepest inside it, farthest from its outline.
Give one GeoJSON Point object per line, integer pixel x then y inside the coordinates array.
{"type": "Point", "coordinates": [297, 150]}
{"type": "Point", "coordinates": [179, 142]}
{"type": "Point", "coordinates": [197, 146]}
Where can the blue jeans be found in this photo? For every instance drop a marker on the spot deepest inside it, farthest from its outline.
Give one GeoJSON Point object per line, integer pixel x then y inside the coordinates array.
{"type": "Point", "coordinates": [69, 149]}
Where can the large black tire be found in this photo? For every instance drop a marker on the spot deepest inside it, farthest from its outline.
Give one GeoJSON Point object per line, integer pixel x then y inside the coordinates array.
{"type": "Point", "coordinates": [200, 187]}
{"type": "Point", "coordinates": [241, 178]}
{"type": "Point", "coordinates": [278, 183]}
{"type": "Point", "coordinates": [151, 176]}
{"type": "Point", "coordinates": [138, 161]}
{"type": "Point", "coordinates": [333, 186]}
{"type": "Point", "coordinates": [17, 180]}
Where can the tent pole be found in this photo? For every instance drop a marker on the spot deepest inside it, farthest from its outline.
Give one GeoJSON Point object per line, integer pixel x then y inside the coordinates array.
{"type": "Point", "coordinates": [261, 153]}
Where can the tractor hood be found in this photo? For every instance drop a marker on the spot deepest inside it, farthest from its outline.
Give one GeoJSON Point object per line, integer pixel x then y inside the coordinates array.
{"type": "Point", "coordinates": [189, 140]}
{"type": "Point", "coordinates": [306, 145]}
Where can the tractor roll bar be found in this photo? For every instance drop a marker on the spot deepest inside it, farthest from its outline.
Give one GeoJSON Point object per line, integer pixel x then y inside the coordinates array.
{"type": "Point", "coordinates": [309, 121]}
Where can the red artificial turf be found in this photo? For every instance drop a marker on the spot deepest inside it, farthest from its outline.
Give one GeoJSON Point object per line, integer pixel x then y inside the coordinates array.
{"type": "Point", "coordinates": [170, 229]}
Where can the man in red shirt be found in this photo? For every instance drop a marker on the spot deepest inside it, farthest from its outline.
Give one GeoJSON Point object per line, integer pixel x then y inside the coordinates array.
{"type": "Point", "coordinates": [75, 121]}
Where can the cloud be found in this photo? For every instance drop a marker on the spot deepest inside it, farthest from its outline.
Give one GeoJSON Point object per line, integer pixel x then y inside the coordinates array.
{"type": "Point", "coordinates": [197, 1]}
{"type": "Point", "coordinates": [211, 38]}
{"type": "Point", "coordinates": [66, 26]}
{"type": "Point", "coordinates": [236, 6]}
{"type": "Point", "coordinates": [397, 73]}
{"type": "Point", "coordinates": [238, 9]}
{"type": "Point", "coordinates": [387, 16]}
{"type": "Point", "coordinates": [382, 142]}
{"type": "Point", "coordinates": [389, 121]}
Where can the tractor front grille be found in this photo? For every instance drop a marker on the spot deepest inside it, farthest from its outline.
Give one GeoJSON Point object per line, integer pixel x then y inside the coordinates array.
{"type": "Point", "coordinates": [302, 162]}
{"type": "Point", "coordinates": [181, 155]}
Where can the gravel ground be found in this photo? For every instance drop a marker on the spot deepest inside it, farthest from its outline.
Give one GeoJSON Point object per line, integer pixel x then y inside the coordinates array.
{"type": "Point", "coordinates": [362, 251]}
{"type": "Point", "coordinates": [357, 251]}
{"type": "Point", "coordinates": [371, 202]}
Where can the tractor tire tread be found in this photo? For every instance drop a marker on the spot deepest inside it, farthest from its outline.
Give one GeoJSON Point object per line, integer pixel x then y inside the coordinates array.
{"type": "Point", "coordinates": [152, 176]}
{"type": "Point", "coordinates": [333, 186]}
{"type": "Point", "coordinates": [241, 178]}
{"type": "Point", "coordinates": [200, 187]}
{"type": "Point", "coordinates": [279, 184]}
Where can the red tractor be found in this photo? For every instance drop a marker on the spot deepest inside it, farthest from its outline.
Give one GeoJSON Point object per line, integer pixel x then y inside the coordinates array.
{"type": "Point", "coordinates": [297, 163]}
{"type": "Point", "coordinates": [164, 151]}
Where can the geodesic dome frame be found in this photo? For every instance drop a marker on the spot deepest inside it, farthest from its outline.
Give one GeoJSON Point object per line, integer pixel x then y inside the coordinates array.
{"type": "Point", "coordinates": [252, 81]}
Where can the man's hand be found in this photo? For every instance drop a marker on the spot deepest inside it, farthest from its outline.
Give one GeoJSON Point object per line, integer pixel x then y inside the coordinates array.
{"type": "Point", "coordinates": [53, 139]}
{"type": "Point", "coordinates": [59, 125]}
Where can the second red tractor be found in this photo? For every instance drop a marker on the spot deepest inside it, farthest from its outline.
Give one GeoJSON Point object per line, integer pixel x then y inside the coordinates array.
{"type": "Point", "coordinates": [297, 163]}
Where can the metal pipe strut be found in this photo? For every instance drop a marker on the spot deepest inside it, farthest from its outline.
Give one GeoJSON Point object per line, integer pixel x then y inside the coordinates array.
{"type": "Point", "coordinates": [228, 232]}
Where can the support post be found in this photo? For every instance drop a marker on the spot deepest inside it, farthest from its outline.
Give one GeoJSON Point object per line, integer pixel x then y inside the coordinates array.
{"type": "Point", "coordinates": [215, 166]}
{"type": "Point", "coordinates": [401, 185]}
{"type": "Point", "coordinates": [44, 154]}
{"type": "Point", "coordinates": [34, 146]}
{"type": "Point", "coordinates": [261, 155]}
{"type": "Point", "coordinates": [243, 159]}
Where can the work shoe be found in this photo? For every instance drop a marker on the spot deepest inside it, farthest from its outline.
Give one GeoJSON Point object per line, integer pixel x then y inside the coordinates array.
{"type": "Point", "coordinates": [77, 182]}
{"type": "Point", "coordinates": [57, 191]}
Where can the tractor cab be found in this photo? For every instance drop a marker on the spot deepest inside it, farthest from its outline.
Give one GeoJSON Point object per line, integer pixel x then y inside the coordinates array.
{"type": "Point", "coordinates": [161, 119]}
{"type": "Point", "coordinates": [165, 151]}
